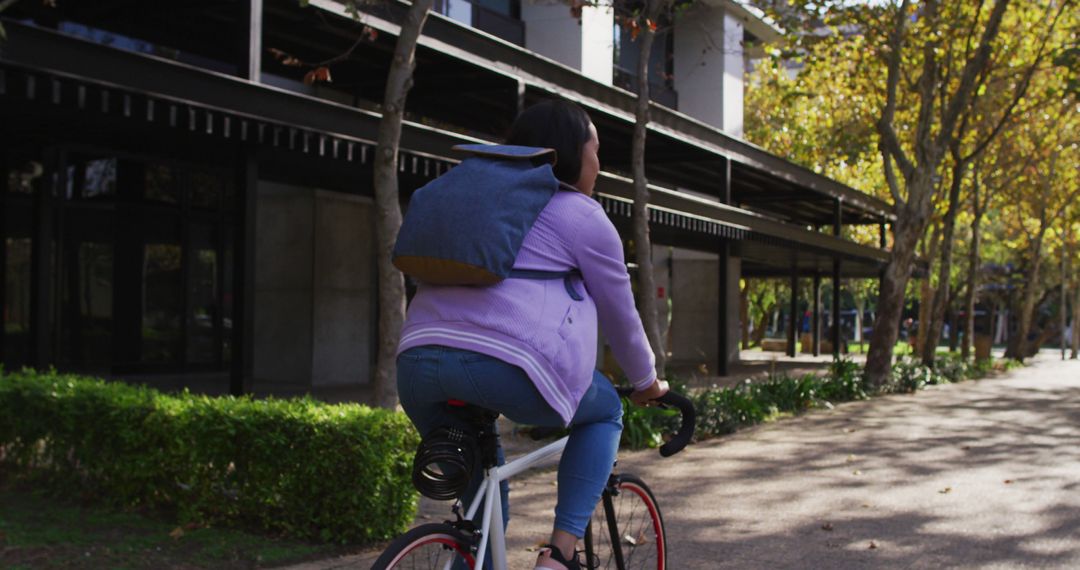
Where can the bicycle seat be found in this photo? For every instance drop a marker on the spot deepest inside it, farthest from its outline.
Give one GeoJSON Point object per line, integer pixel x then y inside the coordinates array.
{"type": "Point", "coordinates": [473, 414]}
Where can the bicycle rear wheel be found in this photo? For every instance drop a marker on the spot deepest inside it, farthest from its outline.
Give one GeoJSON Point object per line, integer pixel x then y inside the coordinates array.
{"type": "Point", "coordinates": [640, 529]}
{"type": "Point", "coordinates": [430, 546]}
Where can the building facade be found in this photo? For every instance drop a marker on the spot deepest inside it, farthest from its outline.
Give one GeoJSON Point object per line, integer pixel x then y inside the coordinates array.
{"type": "Point", "coordinates": [182, 209]}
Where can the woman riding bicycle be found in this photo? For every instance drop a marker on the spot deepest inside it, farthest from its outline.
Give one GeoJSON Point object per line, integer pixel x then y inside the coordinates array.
{"type": "Point", "coordinates": [527, 349]}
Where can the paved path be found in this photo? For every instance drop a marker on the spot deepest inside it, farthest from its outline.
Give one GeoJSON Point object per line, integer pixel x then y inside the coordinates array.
{"type": "Point", "coordinates": [974, 475]}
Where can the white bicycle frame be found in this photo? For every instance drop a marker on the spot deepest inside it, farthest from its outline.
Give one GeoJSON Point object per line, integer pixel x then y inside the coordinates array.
{"type": "Point", "coordinates": [489, 489]}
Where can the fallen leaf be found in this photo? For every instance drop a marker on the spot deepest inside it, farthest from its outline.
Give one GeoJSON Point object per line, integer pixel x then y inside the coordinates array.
{"type": "Point", "coordinates": [1008, 481]}
{"type": "Point", "coordinates": [317, 74]}
{"type": "Point", "coordinates": [873, 545]}
{"type": "Point", "coordinates": [945, 490]}
{"type": "Point", "coordinates": [177, 533]}
{"type": "Point", "coordinates": [856, 472]}
{"type": "Point", "coordinates": [827, 526]}
{"type": "Point", "coordinates": [851, 458]}
{"type": "Point", "coordinates": [849, 430]}
{"type": "Point", "coordinates": [966, 447]}
{"type": "Point", "coordinates": [866, 505]}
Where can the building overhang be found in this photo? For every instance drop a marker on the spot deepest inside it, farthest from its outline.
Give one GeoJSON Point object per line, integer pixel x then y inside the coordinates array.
{"type": "Point", "coordinates": [55, 73]}
{"type": "Point", "coordinates": [678, 143]}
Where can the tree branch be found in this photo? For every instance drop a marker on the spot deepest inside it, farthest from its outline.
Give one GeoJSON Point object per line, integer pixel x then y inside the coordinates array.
{"type": "Point", "coordinates": [1022, 88]}
{"type": "Point", "coordinates": [889, 143]}
{"type": "Point", "coordinates": [971, 69]}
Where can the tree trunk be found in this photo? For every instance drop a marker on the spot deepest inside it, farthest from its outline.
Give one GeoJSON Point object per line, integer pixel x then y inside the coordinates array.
{"type": "Point", "coordinates": [744, 315]}
{"type": "Point", "coordinates": [1018, 349]}
{"type": "Point", "coordinates": [642, 241]}
{"type": "Point", "coordinates": [941, 297]}
{"type": "Point", "coordinates": [387, 202]}
{"type": "Point", "coordinates": [972, 296]}
{"type": "Point", "coordinates": [913, 212]}
{"type": "Point", "coordinates": [926, 297]}
{"type": "Point", "coordinates": [860, 304]}
{"type": "Point", "coordinates": [1076, 324]}
{"type": "Point", "coordinates": [906, 233]}
{"type": "Point", "coordinates": [1064, 292]}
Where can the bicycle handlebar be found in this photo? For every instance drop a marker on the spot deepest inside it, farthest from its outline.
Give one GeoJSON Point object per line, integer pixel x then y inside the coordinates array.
{"type": "Point", "coordinates": [689, 418]}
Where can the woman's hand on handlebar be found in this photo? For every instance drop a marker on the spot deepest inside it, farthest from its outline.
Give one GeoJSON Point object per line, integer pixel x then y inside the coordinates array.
{"type": "Point", "coordinates": [643, 397]}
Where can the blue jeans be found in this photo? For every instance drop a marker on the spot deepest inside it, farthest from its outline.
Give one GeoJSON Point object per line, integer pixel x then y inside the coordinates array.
{"type": "Point", "coordinates": [428, 376]}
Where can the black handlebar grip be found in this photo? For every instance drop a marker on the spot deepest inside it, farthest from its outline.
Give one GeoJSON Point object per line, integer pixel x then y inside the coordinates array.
{"type": "Point", "coordinates": [686, 430]}
{"type": "Point", "coordinates": [689, 419]}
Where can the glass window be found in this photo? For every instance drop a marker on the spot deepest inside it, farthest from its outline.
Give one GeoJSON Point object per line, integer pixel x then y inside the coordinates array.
{"type": "Point", "coordinates": [160, 184]}
{"type": "Point", "coordinates": [203, 297]}
{"type": "Point", "coordinates": [16, 300]}
{"type": "Point", "coordinates": [88, 300]}
{"type": "Point", "coordinates": [21, 178]}
{"type": "Point", "coordinates": [227, 305]}
{"type": "Point", "coordinates": [99, 178]}
{"type": "Point", "coordinates": [163, 295]}
{"type": "Point", "coordinates": [206, 190]}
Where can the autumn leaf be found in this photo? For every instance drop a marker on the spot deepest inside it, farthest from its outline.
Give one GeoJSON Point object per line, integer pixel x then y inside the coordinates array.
{"type": "Point", "coordinates": [945, 491]}
{"type": "Point", "coordinates": [285, 58]}
{"type": "Point", "coordinates": [827, 526]}
{"type": "Point", "coordinates": [317, 74]}
{"type": "Point", "coordinates": [651, 24]}
{"type": "Point", "coordinates": [873, 545]}
{"type": "Point", "coordinates": [177, 533]}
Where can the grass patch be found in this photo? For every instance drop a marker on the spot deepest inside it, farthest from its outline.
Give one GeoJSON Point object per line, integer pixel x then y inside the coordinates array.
{"type": "Point", "coordinates": [37, 531]}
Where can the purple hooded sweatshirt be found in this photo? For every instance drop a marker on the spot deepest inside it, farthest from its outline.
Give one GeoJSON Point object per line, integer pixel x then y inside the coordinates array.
{"type": "Point", "coordinates": [535, 324]}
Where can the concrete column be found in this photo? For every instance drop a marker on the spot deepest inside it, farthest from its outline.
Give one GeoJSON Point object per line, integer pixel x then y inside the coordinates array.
{"type": "Point", "coordinates": [709, 66]}
{"type": "Point", "coordinates": [793, 324]}
{"type": "Point", "coordinates": [252, 61]}
{"type": "Point", "coordinates": [585, 45]}
{"type": "Point", "coordinates": [244, 277]}
{"type": "Point", "coordinates": [816, 332]}
{"type": "Point", "coordinates": [836, 336]}
{"type": "Point", "coordinates": [725, 313]}
{"type": "Point", "coordinates": [838, 224]}
{"type": "Point", "coordinates": [734, 69]}
{"type": "Point", "coordinates": [695, 308]}
{"type": "Point", "coordinates": [343, 289]}
{"type": "Point", "coordinates": [283, 287]}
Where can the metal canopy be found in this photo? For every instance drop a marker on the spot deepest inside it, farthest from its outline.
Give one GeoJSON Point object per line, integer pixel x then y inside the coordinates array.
{"type": "Point", "coordinates": [682, 152]}
{"type": "Point", "coordinates": [48, 70]}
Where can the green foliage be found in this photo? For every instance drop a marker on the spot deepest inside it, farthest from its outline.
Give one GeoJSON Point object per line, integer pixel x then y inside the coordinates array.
{"type": "Point", "coordinates": [722, 411]}
{"type": "Point", "coordinates": [643, 427]}
{"type": "Point", "coordinates": [298, 467]}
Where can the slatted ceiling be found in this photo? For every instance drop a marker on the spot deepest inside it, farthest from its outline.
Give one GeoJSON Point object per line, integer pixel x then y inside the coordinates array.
{"type": "Point", "coordinates": [620, 210]}
{"type": "Point", "coordinates": [85, 95]}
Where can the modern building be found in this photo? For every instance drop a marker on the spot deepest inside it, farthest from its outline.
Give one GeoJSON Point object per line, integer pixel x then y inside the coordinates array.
{"type": "Point", "coordinates": [181, 208]}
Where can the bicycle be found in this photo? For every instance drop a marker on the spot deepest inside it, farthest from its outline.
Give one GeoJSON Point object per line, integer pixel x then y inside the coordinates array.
{"type": "Point", "coordinates": [622, 539]}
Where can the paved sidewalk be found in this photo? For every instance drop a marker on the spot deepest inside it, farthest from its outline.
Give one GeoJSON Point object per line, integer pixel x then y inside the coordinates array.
{"type": "Point", "coordinates": [975, 475]}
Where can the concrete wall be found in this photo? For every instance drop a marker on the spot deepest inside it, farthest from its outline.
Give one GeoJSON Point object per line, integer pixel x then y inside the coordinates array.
{"type": "Point", "coordinates": [283, 285]}
{"type": "Point", "coordinates": [585, 45]}
{"type": "Point", "coordinates": [694, 288]}
{"type": "Point", "coordinates": [344, 290]}
{"type": "Point", "coordinates": [314, 288]}
{"type": "Point", "coordinates": [709, 67]}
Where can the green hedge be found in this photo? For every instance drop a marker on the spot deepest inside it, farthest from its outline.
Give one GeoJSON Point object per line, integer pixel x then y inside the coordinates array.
{"type": "Point", "coordinates": [724, 410]}
{"type": "Point", "coordinates": [334, 473]}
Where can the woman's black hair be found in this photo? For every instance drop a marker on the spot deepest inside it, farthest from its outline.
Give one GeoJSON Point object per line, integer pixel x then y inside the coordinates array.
{"type": "Point", "coordinates": [557, 124]}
